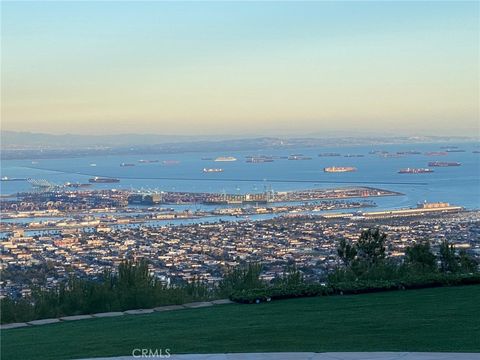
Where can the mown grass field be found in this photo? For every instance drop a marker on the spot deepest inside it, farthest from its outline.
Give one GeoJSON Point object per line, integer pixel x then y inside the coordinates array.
{"type": "Point", "coordinates": [439, 319]}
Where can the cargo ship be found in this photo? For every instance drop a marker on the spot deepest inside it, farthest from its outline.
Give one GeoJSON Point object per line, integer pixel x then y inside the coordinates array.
{"type": "Point", "coordinates": [147, 161]}
{"type": "Point", "coordinates": [299, 157]}
{"type": "Point", "coordinates": [98, 179]}
{"type": "Point", "coordinates": [443, 164]}
{"type": "Point", "coordinates": [415, 171]}
{"type": "Point", "coordinates": [126, 164]}
{"type": "Point", "coordinates": [353, 155]}
{"type": "Point", "coordinates": [225, 159]}
{"type": "Point", "coordinates": [329, 154]}
{"type": "Point", "coordinates": [335, 169]}
{"type": "Point", "coordinates": [6, 178]}
{"type": "Point", "coordinates": [454, 150]}
{"type": "Point", "coordinates": [436, 153]}
{"type": "Point", "coordinates": [75, 185]}
{"type": "Point", "coordinates": [170, 162]}
{"type": "Point", "coordinates": [259, 159]}
{"type": "Point", "coordinates": [410, 152]}
{"type": "Point", "coordinates": [212, 170]}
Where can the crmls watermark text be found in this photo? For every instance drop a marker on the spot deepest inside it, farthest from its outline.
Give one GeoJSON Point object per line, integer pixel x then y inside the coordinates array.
{"type": "Point", "coordinates": [151, 353]}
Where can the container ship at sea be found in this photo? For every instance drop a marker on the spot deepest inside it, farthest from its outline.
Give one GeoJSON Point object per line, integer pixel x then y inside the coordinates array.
{"type": "Point", "coordinates": [436, 153]}
{"type": "Point", "coordinates": [98, 179]}
{"type": "Point", "coordinates": [443, 164]}
{"type": "Point", "coordinates": [76, 185]}
{"type": "Point", "coordinates": [353, 155]}
{"type": "Point", "coordinates": [225, 159]}
{"type": "Point", "coordinates": [259, 159]}
{"type": "Point", "coordinates": [299, 157]}
{"type": "Point", "coordinates": [329, 154]}
{"type": "Point", "coordinates": [415, 171]}
{"type": "Point", "coordinates": [6, 178]}
{"type": "Point", "coordinates": [170, 162]}
{"type": "Point", "coordinates": [409, 152]}
{"type": "Point", "coordinates": [339, 169]}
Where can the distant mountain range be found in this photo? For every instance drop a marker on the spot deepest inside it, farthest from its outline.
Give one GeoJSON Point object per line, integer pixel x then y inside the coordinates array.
{"type": "Point", "coordinates": [24, 145]}
{"type": "Point", "coordinates": [16, 138]}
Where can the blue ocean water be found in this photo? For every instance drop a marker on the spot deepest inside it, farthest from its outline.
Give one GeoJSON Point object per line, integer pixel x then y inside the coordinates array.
{"type": "Point", "coordinates": [457, 185]}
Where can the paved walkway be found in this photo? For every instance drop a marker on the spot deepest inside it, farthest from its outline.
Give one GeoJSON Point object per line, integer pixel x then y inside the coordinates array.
{"type": "Point", "coordinates": [315, 356]}
{"type": "Point", "coordinates": [193, 305]}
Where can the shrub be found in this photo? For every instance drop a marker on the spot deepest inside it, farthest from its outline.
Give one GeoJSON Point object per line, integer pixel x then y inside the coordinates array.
{"type": "Point", "coordinates": [250, 296]}
{"type": "Point", "coordinates": [241, 278]}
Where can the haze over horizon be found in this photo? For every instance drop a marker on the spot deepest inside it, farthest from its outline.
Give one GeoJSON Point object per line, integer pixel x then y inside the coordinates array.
{"type": "Point", "coordinates": [241, 68]}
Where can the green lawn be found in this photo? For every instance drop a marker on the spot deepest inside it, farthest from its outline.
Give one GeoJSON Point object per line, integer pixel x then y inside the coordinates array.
{"type": "Point", "coordinates": [440, 319]}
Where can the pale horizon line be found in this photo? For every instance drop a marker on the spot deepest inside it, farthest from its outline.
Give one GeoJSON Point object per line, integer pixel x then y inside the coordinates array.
{"type": "Point", "coordinates": [313, 134]}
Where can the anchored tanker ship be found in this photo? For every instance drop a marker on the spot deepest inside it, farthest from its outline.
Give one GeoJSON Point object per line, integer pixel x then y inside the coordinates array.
{"type": "Point", "coordinates": [98, 179]}
{"type": "Point", "coordinates": [299, 157]}
{"type": "Point", "coordinates": [75, 185]}
{"type": "Point", "coordinates": [335, 169]}
{"type": "Point", "coordinates": [259, 159]}
{"type": "Point", "coordinates": [329, 154]}
{"type": "Point", "coordinates": [415, 171]}
{"type": "Point", "coordinates": [170, 162]}
{"type": "Point", "coordinates": [436, 153]}
{"type": "Point", "coordinates": [443, 164]}
{"type": "Point", "coordinates": [353, 155]}
{"type": "Point", "coordinates": [225, 158]}
{"type": "Point", "coordinates": [6, 178]}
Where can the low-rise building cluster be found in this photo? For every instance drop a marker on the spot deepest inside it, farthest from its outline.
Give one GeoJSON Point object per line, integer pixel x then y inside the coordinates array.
{"type": "Point", "coordinates": [205, 250]}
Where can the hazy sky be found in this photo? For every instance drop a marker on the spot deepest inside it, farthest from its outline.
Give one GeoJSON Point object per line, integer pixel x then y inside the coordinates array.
{"type": "Point", "coordinates": [241, 67]}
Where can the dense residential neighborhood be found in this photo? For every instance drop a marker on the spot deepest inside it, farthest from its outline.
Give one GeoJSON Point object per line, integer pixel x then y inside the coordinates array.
{"type": "Point", "coordinates": [203, 251]}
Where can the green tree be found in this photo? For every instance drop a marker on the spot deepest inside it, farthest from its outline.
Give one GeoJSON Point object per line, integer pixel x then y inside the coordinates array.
{"type": "Point", "coordinates": [346, 252]}
{"type": "Point", "coordinates": [291, 277]}
{"type": "Point", "coordinates": [420, 257]}
{"type": "Point", "coordinates": [135, 284]}
{"type": "Point", "coordinates": [448, 260]}
{"type": "Point", "coordinates": [371, 247]}
{"type": "Point", "coordinates": [466, 263]}
{"type": "Point", "coordinates": [241, 278]}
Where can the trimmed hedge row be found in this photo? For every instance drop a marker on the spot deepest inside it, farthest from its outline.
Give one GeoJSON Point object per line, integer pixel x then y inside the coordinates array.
{"type": "Point", "coordinates": [266, 294]}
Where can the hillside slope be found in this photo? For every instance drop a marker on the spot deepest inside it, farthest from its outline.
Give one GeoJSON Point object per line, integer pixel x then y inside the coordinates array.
{"type": "Point", "coordinates": [439, 319]}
